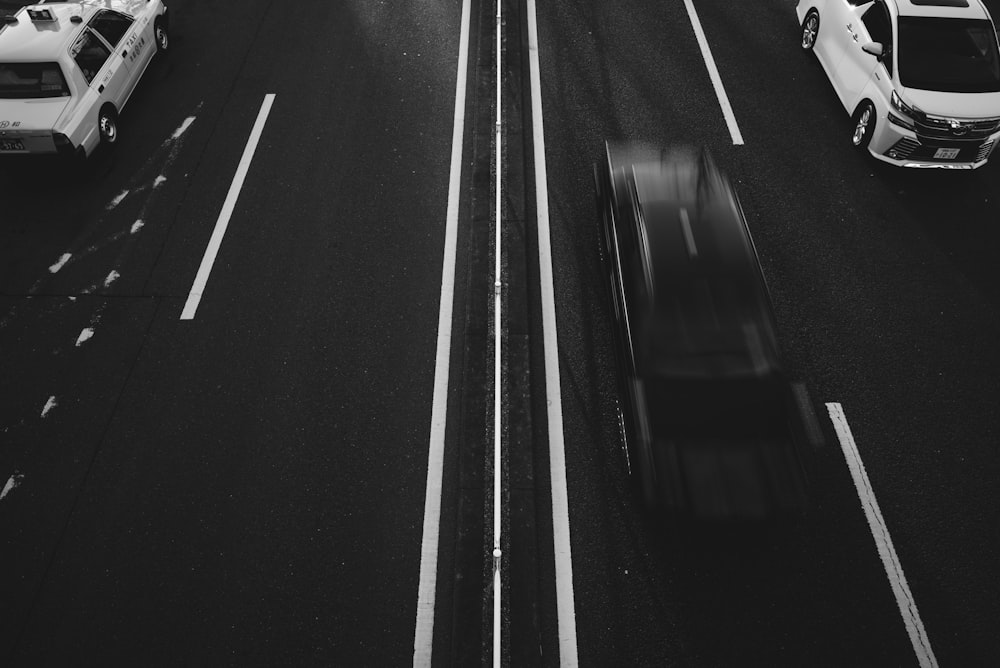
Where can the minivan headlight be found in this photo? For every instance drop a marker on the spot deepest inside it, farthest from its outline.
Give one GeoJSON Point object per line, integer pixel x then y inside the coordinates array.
{"type": "Point", "coordinates": [905, 112]}
{"type": "Point", "coordinates": [900, 106]}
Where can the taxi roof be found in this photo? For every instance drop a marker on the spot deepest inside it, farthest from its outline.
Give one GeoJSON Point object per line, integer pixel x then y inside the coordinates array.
{"type": "Point", "coordinates": [947, 9]}
{"type": "Point", "coordinates": [29, 40]}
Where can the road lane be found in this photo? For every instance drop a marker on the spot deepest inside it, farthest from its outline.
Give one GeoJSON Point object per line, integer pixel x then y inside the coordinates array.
{"type": "Point", "coordinates": [858, 291]}
{"type": "Point", "coordinates": [252, 483]}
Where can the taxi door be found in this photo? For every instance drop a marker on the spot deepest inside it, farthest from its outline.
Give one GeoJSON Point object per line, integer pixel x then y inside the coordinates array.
{"type": "Point", "coordinates": [102, 68]}
{"type": "Point", "coordinates": [129, 47]}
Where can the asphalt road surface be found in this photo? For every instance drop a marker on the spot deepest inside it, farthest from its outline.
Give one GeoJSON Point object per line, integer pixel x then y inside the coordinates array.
{"type": "Point", "coordinates": [248, 487]}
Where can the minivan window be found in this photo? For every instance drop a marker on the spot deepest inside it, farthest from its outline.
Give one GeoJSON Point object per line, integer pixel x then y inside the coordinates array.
{"type": "Point", "coordinates": [950, 55]}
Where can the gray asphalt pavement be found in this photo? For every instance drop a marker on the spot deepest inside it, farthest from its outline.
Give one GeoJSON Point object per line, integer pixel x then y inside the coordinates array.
{"type": "Point", "coordinates": [247, 488]}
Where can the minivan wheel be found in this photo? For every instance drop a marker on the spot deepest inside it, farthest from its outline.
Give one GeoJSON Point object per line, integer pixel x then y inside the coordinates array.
{"type": "Point", "coordinates": [107, 124]}
{"type": "Point", "coordinates": [864, 124]}
{"type": "Point", "coordinates": [810, 29]}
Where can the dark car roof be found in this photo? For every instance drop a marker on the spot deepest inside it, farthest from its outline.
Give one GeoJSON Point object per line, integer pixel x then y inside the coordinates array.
{"type": "Point", "coordinates": [708, 314]}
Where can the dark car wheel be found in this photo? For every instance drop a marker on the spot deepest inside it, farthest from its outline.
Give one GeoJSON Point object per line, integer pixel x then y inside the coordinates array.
{"type": "Point", "coordinates": [107, 125]}
{"type": "Point", "coordinates": [864, 124]}
{"type": "Point", "coordinates": [810, 29]}
{"type": "Point", "coordinates": [162, 37]}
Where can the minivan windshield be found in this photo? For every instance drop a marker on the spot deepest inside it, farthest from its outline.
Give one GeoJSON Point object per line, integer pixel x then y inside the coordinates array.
{"type": "Point", "coordinates": [31, 80]}
{"type": "Point", "coordinates": [949, 55]}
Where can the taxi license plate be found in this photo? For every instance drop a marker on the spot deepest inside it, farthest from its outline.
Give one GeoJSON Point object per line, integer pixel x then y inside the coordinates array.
{"type": "Point", "coordinates": [11, 145]}
{"type": "Point", "coordinates": [946, 153]}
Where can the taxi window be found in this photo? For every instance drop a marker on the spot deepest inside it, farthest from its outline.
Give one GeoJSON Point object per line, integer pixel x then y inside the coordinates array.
{"type": "Point", "coordinates": [112, 26]}
{"type": "Point", "coordinates": [90, 54]}
{"type": "Point", "coordinates": [29, 80]}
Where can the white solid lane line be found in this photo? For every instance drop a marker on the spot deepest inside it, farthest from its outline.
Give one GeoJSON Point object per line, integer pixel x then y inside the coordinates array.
{"type": "Point", "coordinates": [423, 634]}
{"type": "Point", "coordinates": [205, 270]}
{"type": "Point", "coordinates": [565, 605]}
{"type": "Point", "coordinates": [893, 569]}
{"type": "Point", "coordinates": [713, 73]}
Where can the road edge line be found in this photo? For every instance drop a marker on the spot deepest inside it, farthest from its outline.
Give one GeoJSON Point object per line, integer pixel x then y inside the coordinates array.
{"type": "Point", "coordinates": [423, 634]}
{"type": "Point", "coordinates": [880, 532]}
{"type": "Point", "coordinates": [565, 605]}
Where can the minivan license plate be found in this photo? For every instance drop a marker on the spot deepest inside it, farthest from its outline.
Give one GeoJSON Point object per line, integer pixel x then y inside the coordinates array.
{"type": "Point", "coordinates": [946, 153]}
{"type": "Point", "coordinates": [11, 145]}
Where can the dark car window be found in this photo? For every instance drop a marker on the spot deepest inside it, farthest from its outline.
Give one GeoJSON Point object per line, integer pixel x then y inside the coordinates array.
{"type": "Point", "coordinates": [31, 80]}
{"type": "Point", "coordinates": [90, 54]}
{"type": "Point", "coordinates": [951, 55]}
{"type": "Point", "coordinates": [111, 25]}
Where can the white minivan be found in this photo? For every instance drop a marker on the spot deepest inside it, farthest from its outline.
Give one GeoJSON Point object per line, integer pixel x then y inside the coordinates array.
{"type": "Point", "coordinates": [920, 78]}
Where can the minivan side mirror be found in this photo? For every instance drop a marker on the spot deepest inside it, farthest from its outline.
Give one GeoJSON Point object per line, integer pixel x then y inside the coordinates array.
{"type": "Point", "coordinates": [874, 48]}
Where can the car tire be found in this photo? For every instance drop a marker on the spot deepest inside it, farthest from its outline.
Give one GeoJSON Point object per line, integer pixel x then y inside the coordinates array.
{"type": "Point", "coordinates": [864, 125]}
{"type": "Point", "coordinates": [107, 125]}
{"type": "Point", "coordinates": [162, 36]}
{"type": "Point", "coordinates": [810, 30]}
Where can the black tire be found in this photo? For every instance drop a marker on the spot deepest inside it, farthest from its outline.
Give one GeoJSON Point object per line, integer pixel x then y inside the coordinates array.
{"type": "Point", "coordinates": [810, 29]}
{"type": "Point", "coordinates": [864, 125]}
{"type": "Point", "coordinates": [162, 36]}
{"type": "Point", "coordinates": [107, 125]}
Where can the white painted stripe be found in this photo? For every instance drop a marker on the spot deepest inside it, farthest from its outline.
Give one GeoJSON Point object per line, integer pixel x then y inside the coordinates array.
{"type": "Point", "coordinates": [423, 634]}
{"type": "Point", "coordinates": [205, 270]}
{"type": "Point", "coordinates": [713, 73]}
{"type": "Point", "coordinates": [11, 485]}
{"type": "Point", "coordinates": [85, 335]}
{"type": "Point", "coordinates": [63, 259]}
{"type": "Point", "coordinates": [890, 561]}
{"type": "Point", "coordinates": [498, 350]}
{"type": "Point", "coordinates": [49, 405]}
{"type": "Point", "coordinates": [565, 606]}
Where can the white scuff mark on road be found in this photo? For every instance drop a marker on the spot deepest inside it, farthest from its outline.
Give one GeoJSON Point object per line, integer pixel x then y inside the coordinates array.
{"type": "Point", "coordinates": [118, 200]}
{"type": "Point", "coordinates": [85, 335]}
{"type": "Point", "coordinates": [11, 485]}
{"type": "Point", "coordinates": [159, 181]}
{"type": "Point", "coordinates": [63, 259]}
{"type": "Point", "coordinates": [49, 405]}
{"type": "Point", "coordinates": [137, 225]}
{"type": "Point", "coordinates": [112, 277]}
{"type": "Point", "coordinates": [183, 127]}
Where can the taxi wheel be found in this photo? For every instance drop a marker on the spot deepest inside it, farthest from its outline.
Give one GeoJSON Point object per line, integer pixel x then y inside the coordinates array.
{"type": "Point", "coordinates": [162, 37]}
{"type": "Point", "coordinates": [810, 29]}
{"type": "Point", "coordinates": [864, 124]}
{"type": "Point", "coordinates": [107, 124]}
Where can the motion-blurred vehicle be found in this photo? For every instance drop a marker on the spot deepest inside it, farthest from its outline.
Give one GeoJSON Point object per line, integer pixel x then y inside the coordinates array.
{"type": "Point", "coordinates": [711, 425]}
{"type": "Point", "coordinates": [67, 69]}
{"type": "Point", "coordinates": [920, 78]}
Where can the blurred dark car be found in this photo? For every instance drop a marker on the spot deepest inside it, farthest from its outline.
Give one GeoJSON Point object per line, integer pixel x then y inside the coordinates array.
{"type": "Point", "coordinates": [712, 427]}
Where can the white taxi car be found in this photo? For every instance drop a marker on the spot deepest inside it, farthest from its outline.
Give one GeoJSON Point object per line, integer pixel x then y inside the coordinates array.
{"type": "Point", "coordinates": [68, 68]}
{"type": "Point", "coordinates": [921, 78]}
